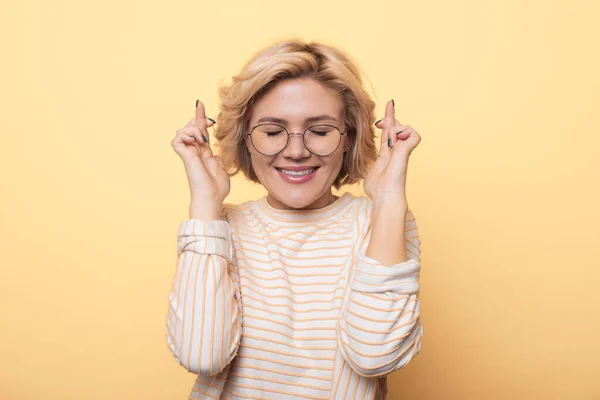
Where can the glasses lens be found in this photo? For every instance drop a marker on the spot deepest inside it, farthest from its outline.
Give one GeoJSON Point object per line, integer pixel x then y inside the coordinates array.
{"type": "Point", "coordinates": [269, 138]}
{"type": "Point", "coordinates": [322, 139]}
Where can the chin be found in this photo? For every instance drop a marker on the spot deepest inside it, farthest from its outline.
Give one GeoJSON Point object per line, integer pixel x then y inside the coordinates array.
{"type": "Point", "coordinates": [298, 197]}
{"type": "Point", "coordinates": [297, 200]}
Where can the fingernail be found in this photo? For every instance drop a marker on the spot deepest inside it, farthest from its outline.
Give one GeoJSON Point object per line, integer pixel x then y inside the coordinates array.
{"type": "Point", "coordinates": [378, 122]}
{"type": "Point", "coordinates": [204, 139]}
{"type": "Point", "coordinates": [389, 142]}
{"type": "Point", "coordinates": [212, 120]}
{"type": "Point", "coordinates": [393, 104]}
{"type": "Point", "coordinates": [197, 103]}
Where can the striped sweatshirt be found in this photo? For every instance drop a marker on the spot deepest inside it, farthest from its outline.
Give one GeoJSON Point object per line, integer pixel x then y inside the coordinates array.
{"type": "Point", "coordinates": [285, 304]}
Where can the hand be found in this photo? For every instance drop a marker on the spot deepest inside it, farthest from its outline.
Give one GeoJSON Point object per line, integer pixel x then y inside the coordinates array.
{"type": "Point", "coordinates": [388, 175]}
{"type": "Point", "coordinates": [207, 177]}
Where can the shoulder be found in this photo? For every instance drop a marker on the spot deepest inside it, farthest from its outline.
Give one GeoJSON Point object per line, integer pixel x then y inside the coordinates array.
{"type": "Point", "coordinates": [232, 212]}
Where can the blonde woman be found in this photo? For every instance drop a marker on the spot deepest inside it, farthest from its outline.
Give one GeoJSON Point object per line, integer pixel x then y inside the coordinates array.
{"type": "Point", "coordinates": [300, 294]}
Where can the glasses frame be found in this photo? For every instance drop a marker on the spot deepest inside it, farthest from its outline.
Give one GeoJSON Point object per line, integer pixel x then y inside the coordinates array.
{"type": "Point", "coordinates": [297, 133]}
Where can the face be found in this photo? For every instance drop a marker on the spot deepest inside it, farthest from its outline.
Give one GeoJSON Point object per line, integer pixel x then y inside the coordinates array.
{"type": "Point", "coordinates": [295, 101]}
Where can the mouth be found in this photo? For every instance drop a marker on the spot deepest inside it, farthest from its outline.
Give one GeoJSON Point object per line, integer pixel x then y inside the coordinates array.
{"type": "Point", "coordinates": [297, 173]}
{"type": "Point", "coordinates": [297, 176]}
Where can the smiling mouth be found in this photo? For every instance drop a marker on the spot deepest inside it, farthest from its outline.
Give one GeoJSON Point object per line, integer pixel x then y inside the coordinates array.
{"type": "Point", "coordinates": [297, 173]}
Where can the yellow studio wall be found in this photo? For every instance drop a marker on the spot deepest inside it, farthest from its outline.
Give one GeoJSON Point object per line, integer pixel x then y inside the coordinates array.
{"type": "Point", "coordinates": [504, 184]}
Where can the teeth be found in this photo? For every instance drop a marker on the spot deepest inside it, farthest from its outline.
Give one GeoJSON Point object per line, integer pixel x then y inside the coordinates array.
{"type": "Point", "coordinates": [298, 173]}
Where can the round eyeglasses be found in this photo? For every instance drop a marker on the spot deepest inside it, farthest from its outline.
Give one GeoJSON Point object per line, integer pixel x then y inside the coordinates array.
{"type": "Point", "coordinates": [321, 140]}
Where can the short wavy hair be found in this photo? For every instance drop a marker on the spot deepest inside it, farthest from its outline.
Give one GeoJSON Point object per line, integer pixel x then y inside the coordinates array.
{"type": "Point", "coordinates": [291, 59]}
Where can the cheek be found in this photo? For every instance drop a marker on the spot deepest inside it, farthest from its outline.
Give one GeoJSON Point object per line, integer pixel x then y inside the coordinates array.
{"type": "Point", "coordinates": [334, 165]}
{"type": "Point", "coordinates": [261, 165]}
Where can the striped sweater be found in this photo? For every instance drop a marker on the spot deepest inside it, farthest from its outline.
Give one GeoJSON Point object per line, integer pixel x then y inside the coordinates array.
{"type": "Point", "coordinates": [279, 304]}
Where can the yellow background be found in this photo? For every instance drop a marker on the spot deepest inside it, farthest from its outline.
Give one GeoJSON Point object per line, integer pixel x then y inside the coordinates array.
{"type": "Point", "coordinates": [504, 184]}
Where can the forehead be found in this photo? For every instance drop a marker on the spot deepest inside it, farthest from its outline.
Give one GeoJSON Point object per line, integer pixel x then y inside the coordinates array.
{"type": "Point", "coordinates": [295, 100]}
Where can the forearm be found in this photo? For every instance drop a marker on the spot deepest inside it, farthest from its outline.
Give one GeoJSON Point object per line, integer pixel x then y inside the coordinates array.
{"type": "Point", "coordinates": [206, 209]}
{"type": "Point", "coordinates": [380, 330]}
{"type": "Point", "coordinates": [388, 237]}
{"type": "Point", "coordinates": [203, 322]}
{"type": "Point", "coordinates": [202, 328]}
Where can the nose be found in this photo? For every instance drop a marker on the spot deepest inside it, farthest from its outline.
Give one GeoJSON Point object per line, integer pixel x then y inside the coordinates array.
{"type": "Point", "coordinates": [295, 147]}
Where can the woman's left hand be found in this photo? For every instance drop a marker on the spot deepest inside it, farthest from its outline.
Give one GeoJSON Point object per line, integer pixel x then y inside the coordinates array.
{"type": "Point", "coordinates": [387, 177]}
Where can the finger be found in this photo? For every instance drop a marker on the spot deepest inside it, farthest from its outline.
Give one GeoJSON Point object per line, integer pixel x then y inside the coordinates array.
{"type": "Point", "coordinates": [402, 132]}
{"type": "Point", "coordinates": [190, 137]}
{"type": "Point", "coordinates": [386, 124]}
{"type": "Point", "coordinates": [204, 149]}
{"type": "Point", "coordinates": [209, 122]}
{"type": "Point", "coordinates": [379, 124]}
{"type": "Point", "coordinates": [199, 116]}
{"type": "Point", "coordinates": [201, 121]}
{"type": "Point", "coordinates": [399, 132]}
{"type": "Point", "coordinates": [192, 131]}
{"type": "Point", "coordinates": [389, 122]}
{"type": "Point", "coordinates": [186, 140]}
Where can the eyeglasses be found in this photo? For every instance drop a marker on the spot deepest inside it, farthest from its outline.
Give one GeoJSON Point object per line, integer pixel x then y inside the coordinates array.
{"type": "Point", "coordinates": [271, 139]}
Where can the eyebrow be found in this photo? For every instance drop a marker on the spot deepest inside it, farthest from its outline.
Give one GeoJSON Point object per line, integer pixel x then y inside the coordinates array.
{"type": "Point", "coordinates": [323, 117]}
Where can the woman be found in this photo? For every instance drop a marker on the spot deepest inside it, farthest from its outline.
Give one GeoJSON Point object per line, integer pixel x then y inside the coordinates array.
{"type": "Point", "coordinates": [301, 294]}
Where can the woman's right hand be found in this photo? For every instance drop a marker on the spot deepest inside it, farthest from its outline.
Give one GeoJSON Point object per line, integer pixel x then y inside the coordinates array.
{"type": "Point", "coordinates": [208, 180]}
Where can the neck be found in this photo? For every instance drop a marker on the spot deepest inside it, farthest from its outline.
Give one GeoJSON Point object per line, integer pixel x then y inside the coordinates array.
{"type": "Point", "coordinates": [323, 201]}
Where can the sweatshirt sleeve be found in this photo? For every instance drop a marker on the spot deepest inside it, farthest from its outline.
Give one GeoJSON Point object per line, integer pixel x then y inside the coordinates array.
{"type": "Point", "coordinates": [204, 327]}
{"type": "Point", "coordinates": [380, 328]}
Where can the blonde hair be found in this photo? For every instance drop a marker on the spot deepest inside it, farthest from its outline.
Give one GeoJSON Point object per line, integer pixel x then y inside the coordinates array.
{"type": "Point", "coordinates": [297, 59]}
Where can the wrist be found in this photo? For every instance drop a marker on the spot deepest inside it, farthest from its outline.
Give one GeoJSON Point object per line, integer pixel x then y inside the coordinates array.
{"type": "Point", "coordinates": [390, 207]}
{"type": "Point", "coordinates": [205, 210]}
{"type": "Point", "coordinates": [390, 200]}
